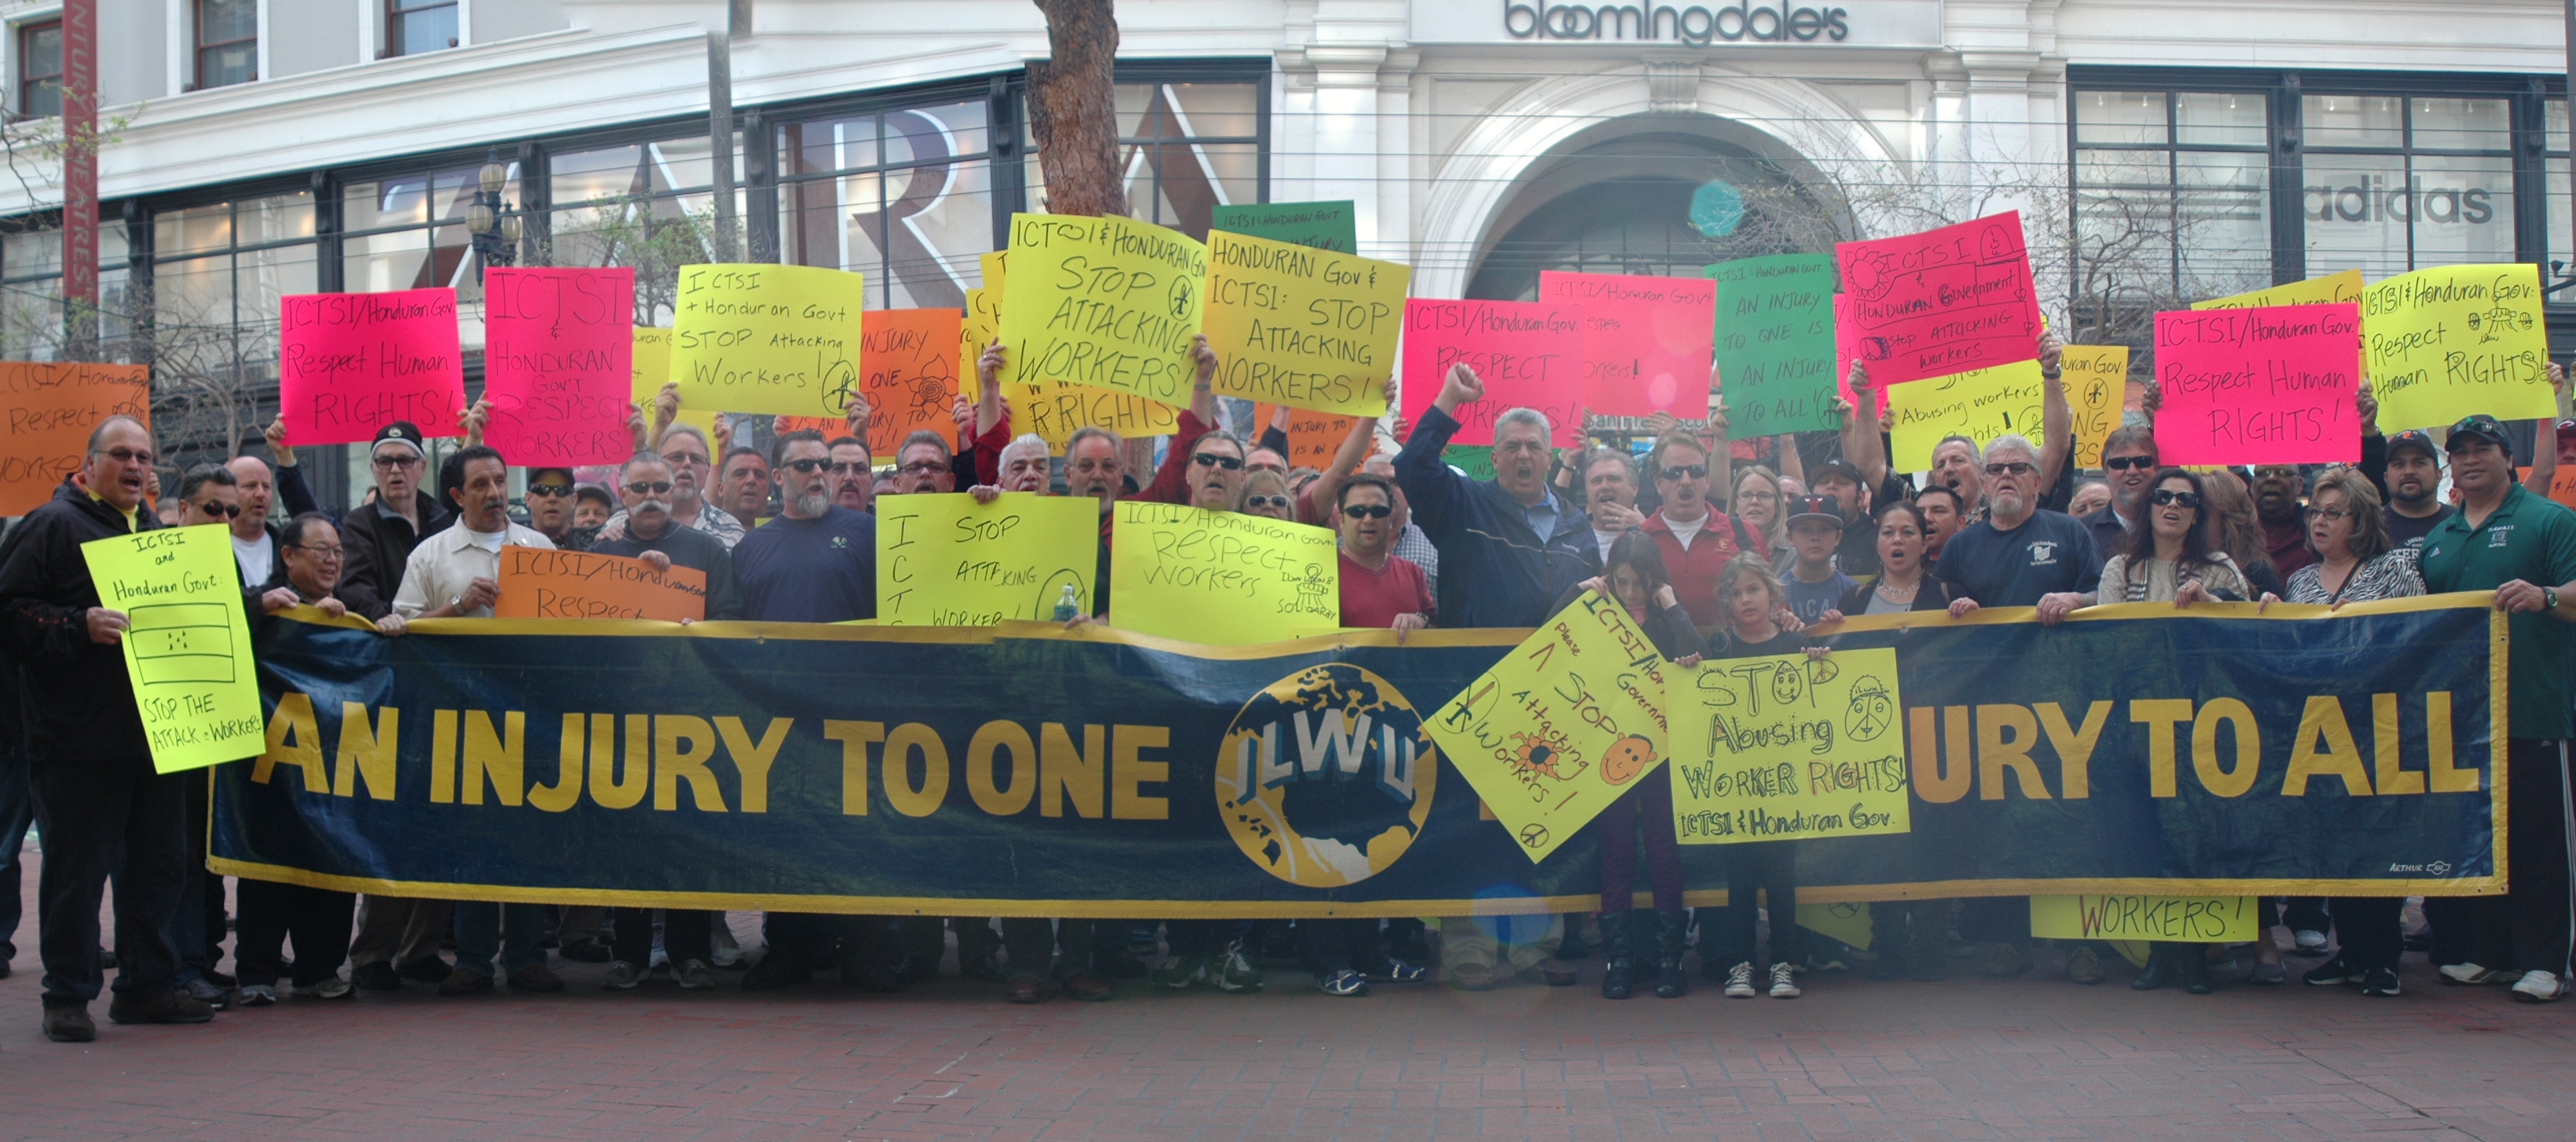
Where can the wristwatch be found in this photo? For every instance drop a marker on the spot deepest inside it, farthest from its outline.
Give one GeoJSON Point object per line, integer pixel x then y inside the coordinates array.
{"type": "Point", "coordinates": [2549, 598]}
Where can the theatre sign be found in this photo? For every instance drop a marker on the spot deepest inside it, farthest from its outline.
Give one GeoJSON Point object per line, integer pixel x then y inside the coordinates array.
{"type": "Point", "coordinates": [1709, 23]}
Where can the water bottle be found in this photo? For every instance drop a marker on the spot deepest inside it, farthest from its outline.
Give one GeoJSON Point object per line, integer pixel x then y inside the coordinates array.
{"type": "Point", "coordinates": [1068, 606]}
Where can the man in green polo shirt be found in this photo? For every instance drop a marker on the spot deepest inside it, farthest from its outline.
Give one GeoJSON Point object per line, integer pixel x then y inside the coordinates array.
{"type": "Point", "coordinates": [2523, 547]}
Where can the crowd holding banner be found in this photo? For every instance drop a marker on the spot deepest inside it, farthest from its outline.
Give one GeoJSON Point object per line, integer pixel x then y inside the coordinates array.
{"type": "Point", "coordinates": [919, 656]}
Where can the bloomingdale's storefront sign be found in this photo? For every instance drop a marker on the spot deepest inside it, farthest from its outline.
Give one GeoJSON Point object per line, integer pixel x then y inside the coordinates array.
{"type": "Point", "coordinates": [1852, 23]}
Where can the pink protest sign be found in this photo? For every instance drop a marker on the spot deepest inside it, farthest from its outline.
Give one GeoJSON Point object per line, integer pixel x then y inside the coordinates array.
{"type": "Point", "coordinates": [2270, 385]}
{"type": "Point", "coordinates": [1845, 333]}
{"type": "Point", "coordinates": [1646, 340]}
{"type": "Point", "coordinates": [350, 363]}
{"type": "Point", "coordinates": [1528, 355]}
{"type": "Point", "coordinates": [1941, 302]}
{"type": "Point", "coordinates": [557, 351]}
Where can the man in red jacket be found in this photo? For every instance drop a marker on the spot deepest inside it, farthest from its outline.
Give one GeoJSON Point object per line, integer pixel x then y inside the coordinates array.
{"type": "Point", "coordinates": [1696, 538]}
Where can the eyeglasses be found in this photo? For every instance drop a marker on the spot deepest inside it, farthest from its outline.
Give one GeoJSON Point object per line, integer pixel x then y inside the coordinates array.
{"type": "Point", "coordinates": [2127, 463]}
{"type": "Point", "coordinates": [550, 489]}
{"type": "Point", "coordinates": [809, 466]}
{"type": "Point", "coordinates": [389, 463]}
{"type": "Point", "coordinates": [126, 456]}
{"type": "Point", "coordinates": [2163, 496]}
{"type": "Point", "coordinates": [1265, 501]}
{"type": "Point", "coordinates": [2329, 515]}
{"type": "Point", "coordinates": [228, 511]}
{"type": "Point", "coordinates": [649, 487]}
{"type": "Point", "coordinates": [1685, 472]}
{"type": "Point", "coordinates": [684, 458]}
{"type": "Point", "coordinates": [1212, 460]}
{"type": "Point", "coordinates": [2011, 467]}
{"type": "Point", "coordinates": [1369, 511]}
{"type": "Point", "coordinates": [924, 468]}
{"type": "Point", "coordinates": [325, 554]}
{"type": "Point", "coordinates": [841, 467]}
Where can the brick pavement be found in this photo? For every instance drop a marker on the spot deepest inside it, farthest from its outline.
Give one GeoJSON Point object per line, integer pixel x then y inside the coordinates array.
{"type": "Point", "coordinates": [1967, 1059]}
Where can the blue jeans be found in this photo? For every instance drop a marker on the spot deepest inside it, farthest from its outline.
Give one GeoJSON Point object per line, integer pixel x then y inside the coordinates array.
{"type": "Point", "coordinates": [479, 928]}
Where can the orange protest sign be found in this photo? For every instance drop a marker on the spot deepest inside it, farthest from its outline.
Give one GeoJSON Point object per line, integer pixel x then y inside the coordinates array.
{"type": "Point", "coordinates": [911, 373]}
{"type": "Point", "coordinates": [46, 413]}
{"type": "Point", "coordinates": [1313, 436]}
{"type": "Point", "coordinates": [540, 583]}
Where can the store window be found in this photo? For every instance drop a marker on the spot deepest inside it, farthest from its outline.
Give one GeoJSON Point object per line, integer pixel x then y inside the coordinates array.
{"type": "Point", "coordinates": [416, 26]}
{"type": "Point", "coordinates": [2172, 194]}
{"type": "Point", "coordinates": [2394, 183]}
{"type": "Point", "coordinates": [646, 205]}
{"type": "Point", "coordinates": [417, 230]}
{"type": "Point", "coordinates": [40, 69]}
{"type": "Point", "coordinates": [902, 196]}
{"type": "Point", "coordinates": [218, 272]}
{"type": "Point", "coordinates": [1189, 148]}
{"type": "Point", "coordinates": [31, 292]}
{"type": "Point", "coordinates": [227, 42]}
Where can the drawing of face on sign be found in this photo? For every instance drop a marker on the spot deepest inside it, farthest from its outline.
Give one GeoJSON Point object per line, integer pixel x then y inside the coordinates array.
{"type": "Point", "coordinates": [1872, 711]}
{"type": "Point", "coordinates": [1627, 758]}
{"type": "Point", "coordinates": [1997, 243]}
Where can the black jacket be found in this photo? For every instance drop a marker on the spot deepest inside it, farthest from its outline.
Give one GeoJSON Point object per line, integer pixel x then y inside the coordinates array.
{"type": "Point", "coordinates": [79, 702]}
{"type": "Point", "coordinates": [696, 550]}
{"type": "Point", "coordinates": [378, 545]}
{"type": "Point", "coordinates": [1669, 628]}
{"type": "Point", "coordinates": [1494, 570]}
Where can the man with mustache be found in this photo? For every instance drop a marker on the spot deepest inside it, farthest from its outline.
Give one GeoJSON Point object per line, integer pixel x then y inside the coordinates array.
{"type": "Point", "coordinates": [1508, 546]}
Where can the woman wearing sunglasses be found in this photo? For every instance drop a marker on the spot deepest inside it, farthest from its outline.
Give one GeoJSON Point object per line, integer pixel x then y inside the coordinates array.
{"type": "Point", "coordinates": [1265, 493]}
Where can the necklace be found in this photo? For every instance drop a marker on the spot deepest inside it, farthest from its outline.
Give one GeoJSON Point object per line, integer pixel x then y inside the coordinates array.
{"type": "Point", "coordinates": [1894, 597]}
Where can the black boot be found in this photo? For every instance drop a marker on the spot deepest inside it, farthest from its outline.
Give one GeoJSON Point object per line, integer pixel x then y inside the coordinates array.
{"type": "Point", "coordinates": [1619, 948]}
{"type": "Point", "coordinates": [2161, 970]}
{"type": "Point", "coordinates": [2194, 959]}
{"type": "Point", "coordinates": [1670, 930]}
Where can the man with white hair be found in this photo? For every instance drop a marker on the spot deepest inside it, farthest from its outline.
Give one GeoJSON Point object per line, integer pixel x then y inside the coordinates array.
{"type": "Point", "coordinates": [1024, 464]}
{"type": "Point", "coordinates": [2020, 555]}
{"type": "Point", "coordinates": [1508, 546]}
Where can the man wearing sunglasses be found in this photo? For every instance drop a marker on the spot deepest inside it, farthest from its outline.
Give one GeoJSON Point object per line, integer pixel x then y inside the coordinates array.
{"type": "Point", "coordinates": [2128, 466]}
{"type": "Point", "coordinates": [1508, 546]}
{"type": "Point", "coordinates": [1695, 537]}
{"type": "Point", "coordinates": [685, 449]}
{"type": "Point", "coordinates": [549, 500]}
{"type": "Point", "coordinates": [207, 495]}
{"type": "Point", "coordinates": [380, 535]}
{"type": "Point", "coordinates": [99, 804]}
{"type": "Point", "coordinates": [1957, 462]}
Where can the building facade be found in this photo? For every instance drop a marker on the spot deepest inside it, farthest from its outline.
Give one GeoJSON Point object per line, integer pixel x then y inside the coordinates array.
{"type": "Point", "coordinates": [2160, 150]}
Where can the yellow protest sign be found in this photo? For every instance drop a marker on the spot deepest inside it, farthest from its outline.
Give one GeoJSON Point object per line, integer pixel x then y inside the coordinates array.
{"type": "Point", "coordinates": [1782, 748]}
{"type": "Point", "coordinates": [1220, 577]}
{"type": "Point", "coordinates": [1104, 303]}
{"type": "Point", "coordinates": [2097, 384]}
{"type": "Point", "coordinates": [945, 560]}
{"type": "Point", "coordinates": [1981, 404]}
{"type": "Point", "coordinates": [2330, 289]}
{"type": "Point", "coordinates": [2185, 919]}
{"type": "Point", "coordinates": [652, 365]}
{"type": "Point", "coordinates": [2442, 343]}
{"type": "Point", "coordinates": [187, 642]}
{"type": "Point", "coordinates": [1051, 411]}
{"type": "Point", "coordinates": [753, 337]}
{"type": "Point", "coordinates": [1567, 722]}
{"type": "Point", "coordinates": [1303, 327]}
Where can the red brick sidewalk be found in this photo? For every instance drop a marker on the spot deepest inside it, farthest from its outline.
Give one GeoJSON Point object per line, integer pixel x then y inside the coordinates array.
{"type": "Point", "coordinates": [1971, 1058]}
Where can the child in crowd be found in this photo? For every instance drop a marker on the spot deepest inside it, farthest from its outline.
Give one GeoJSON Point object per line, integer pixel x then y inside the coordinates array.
{"type": "Point", "coordinates": [1749, 596]}
{"type": "Point", "coordinates": [1815, 585]}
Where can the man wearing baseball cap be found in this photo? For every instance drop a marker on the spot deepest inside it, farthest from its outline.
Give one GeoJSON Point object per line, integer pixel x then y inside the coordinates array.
{"type": "Point", "coordinates": [379, 536]}
{"type": "Point", "coordinates": [550, 502]}
{"type": "Point", "coordinates": [1856, 553]}
{"type": "Point", "coordinates": [2414, 484]}
{"type": "Point", "coordinates": [2523, 547]}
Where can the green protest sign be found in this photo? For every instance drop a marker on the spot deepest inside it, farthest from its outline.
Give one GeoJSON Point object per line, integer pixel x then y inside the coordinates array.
{"type": "Point", "coordinates": [187, 642]}
{"type": "Point", "coordinates": [1323, 225]}
{"type": "Point", "coordinates": [1775, 343]}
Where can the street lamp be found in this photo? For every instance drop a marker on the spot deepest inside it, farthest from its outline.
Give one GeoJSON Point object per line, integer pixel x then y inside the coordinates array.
{"type": "Point", "coordinates": [491, 219]}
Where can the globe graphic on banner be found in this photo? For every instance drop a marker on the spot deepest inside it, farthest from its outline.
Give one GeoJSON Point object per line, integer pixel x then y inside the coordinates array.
{"type": "Point", "coordinates": [1325, 777]}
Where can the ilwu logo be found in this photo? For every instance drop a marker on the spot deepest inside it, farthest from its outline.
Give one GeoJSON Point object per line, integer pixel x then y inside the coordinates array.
{"type": "Point", "coordinates": [1325, 777]}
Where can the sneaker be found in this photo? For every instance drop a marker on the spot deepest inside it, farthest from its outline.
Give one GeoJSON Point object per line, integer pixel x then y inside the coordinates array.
{"type": "Point", "coordinates": [1177, 972]}
{"type": "Point", "coordinates": [2006, 959]}
{"type": "Point", "coordinates": [728, 952]}
{"type": "Point", "coordinates": [172, 1006]}
{"type": "Point", "coordinates": [332, 988]}
{"type": "Point", "coordinates": [69, 1025]}
{"type": "Point", "coordinates": [2309, 941]}
{"type": "Point", "coordinates": [2380, 982]}
{"type": "Point", "coordinates": [696, 975]}
{"type": "Point", "coordinates": [2535, 987]}
{"type": "Point", "coordinates": [1784, 981]}
{"type": "Point", "coordinates": [204, 991]}
{"type": "Point", "coordinates": [1739, 981]}
{"type": "Point", "coordinates": [2264, 973]}
{"type": "Point", "coordinates": [2472, 975]}
{"type": "Point", "coordinates": [2084, 965]}
{"type": "Point", "coordinates": [1233, 973]}
{"type": "Point", "coordinates": [258, 995]}
{"type": "Point", "coordinates": [378, 976]}
{"type": "Point", "coordinates": [1396, 971]}
{"type": "Point", "coordinates": [659, 963]}
{"type": "Point", "coordinates": [2332, 972]}
{"type": "Point", "coordinates": [536, 977]}
{"type": "Point", "coordinates": [1344, 983]}
{"type": "Point", "coordinates": [622, 976]}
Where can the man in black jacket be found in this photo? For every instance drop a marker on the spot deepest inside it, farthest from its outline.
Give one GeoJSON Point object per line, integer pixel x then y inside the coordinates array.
{"type": "Point", "coordinates": [379, 536]}
{"type": "Point", "coordinates": [99, 803]}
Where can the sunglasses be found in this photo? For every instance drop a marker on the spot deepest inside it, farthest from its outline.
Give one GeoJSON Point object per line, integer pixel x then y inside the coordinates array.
{"type": "Point", "coordinates": [1212, 460]}
{"type": "Point", "coordinates": [650, 487]}
{"type": "Point", "coordinates": [550, 489]}
{"type": "Point", "coordinates": [1265, 501]}
{"type": "Point", "coordinates": [2164, 496]}
{"type": "Point", "coordinates": [127, 456]}
{"type": "Point", "coordinates": [2011, 467]}
{"type": "Point", "coordinates": [228, 511]}
{"type": "Point", "coordinates": [809, 466]}
{"type": "Point", "coordinates": [678, 458]}
{"type": "Point", "coordinates": [389, 463]}
{"type": "Point", "coordinates": [1369, 511]}
{"type": "Point", "coordinates": [1685, 472]}
{"type": "Point", "coordinates": [2127, 463]}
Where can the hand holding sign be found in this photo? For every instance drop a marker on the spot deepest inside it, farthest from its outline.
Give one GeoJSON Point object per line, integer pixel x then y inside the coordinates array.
{"type": "Point", "coordinates": [1106, 303]}
{"type": "Point", "coordinates": [2272, 385]}
{"type": "Point", "coordinates": [1942, 301]}
{"type": "Point", "coordinates": [186, 641]}
{"type": "Point", "coordinates": [762, 338]}
{"type": "Point", "coordinates": [558, 366]}
{"type": "Point", "coordinates": [1785, 747]}
{"type": "Point", "coordinates": [947, 560]}
{"type": "Point", "coordinates": [1518, 355]}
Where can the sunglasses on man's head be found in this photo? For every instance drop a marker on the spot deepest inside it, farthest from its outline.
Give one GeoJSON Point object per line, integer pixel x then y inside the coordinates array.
{"type": "Point", "coordinates": [649, 487]}
{"type": "Point", "coordinates": [2126, 463]}
{"type": "Point", "coordinates": [550, 489]}
{"type": "Point", "coordinates": [1369, 511]}
{"type": "Point", "coordinates": [2163, 496]}
{"type": "Point", "coordinates": [1211, 459]}
{"type": "Point", "coordinates": [1685, 472]}
{"type": "Point", "coordinates": [1265, 501]}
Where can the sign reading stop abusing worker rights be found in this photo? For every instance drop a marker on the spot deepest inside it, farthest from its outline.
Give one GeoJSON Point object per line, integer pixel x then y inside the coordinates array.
{"type": "Point", "coordinates": [1645, 340]}
{"type": "Point", "coordinates": [1104, 303]}
{"type": "Point", "coordinates": [1304, 327]}
{"type": "Point", "coordinates": [351, 363]}
{"type": "Point", "coordinates": [1943, 301]}
{"type": "Point", "coordinates": [1529, 355]}
{"type": "Point", "coordinates": [558, 363]}
{"type": "Point", "coordinates": [2270, 385]}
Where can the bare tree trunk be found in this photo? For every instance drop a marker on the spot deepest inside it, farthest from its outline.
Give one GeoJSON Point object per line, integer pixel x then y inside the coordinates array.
{"type": "Point", "coordinates": [1073, 108]}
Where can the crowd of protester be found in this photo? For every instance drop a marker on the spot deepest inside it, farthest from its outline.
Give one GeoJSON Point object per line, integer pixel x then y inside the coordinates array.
{"type": "Point", "coordinates": [1716, 547]}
